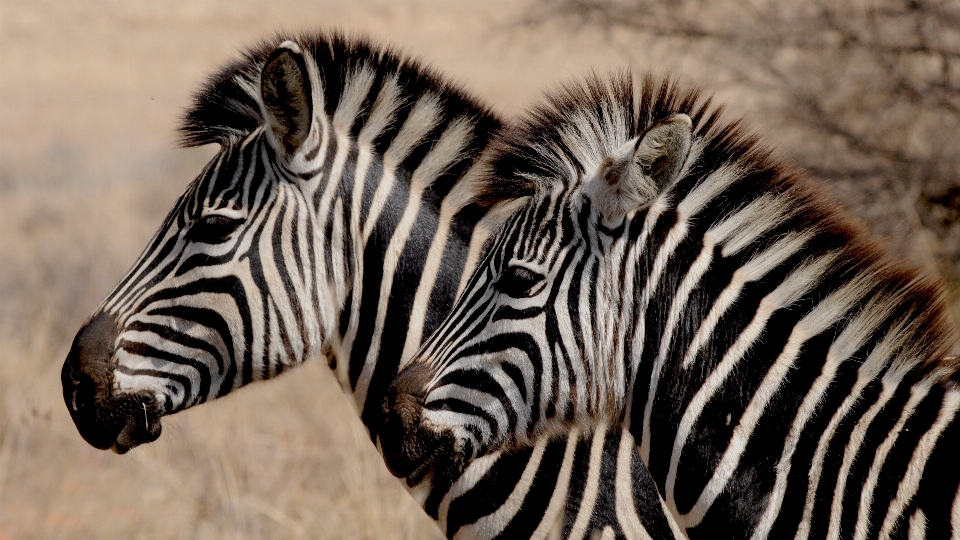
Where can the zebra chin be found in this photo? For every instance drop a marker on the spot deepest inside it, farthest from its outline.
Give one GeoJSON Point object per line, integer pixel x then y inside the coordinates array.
{"type": "Point", "coordinates": [410, 449]}
{"type": "Point", "coordinates": [103, 418]}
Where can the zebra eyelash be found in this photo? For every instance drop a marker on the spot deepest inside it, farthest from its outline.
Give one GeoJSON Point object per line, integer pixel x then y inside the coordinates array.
{"type": "Point", "coordinates": [519, 282]}
{"type": "Point", "coordinates": [213, 229]}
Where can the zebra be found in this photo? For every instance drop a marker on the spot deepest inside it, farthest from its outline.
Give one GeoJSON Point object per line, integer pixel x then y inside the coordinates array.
{"type": "Point", "coordinates": [782, 376]}
{"type": "Point", "coordinates": [338, 220]}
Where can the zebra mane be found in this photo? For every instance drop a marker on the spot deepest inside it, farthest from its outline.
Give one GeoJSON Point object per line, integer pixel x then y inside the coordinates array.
{"type": "Point", "coordinates": [577, 127]}
{"type": "Point", "coordinates": [226, 108]}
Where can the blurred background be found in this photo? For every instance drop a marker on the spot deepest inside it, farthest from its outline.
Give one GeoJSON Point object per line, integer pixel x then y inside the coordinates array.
{"type": "Point", "coordinates": [864, 94]}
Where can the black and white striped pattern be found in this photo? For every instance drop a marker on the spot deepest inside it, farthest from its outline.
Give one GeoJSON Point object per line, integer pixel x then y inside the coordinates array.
{"type": "Point", "coordinates": [272, 257]}
{"type": "Point", "coordinates": [581, 485]}
{"type": "Point", "coordinates": [783, 378]}
{"type": "Point", "coordinates": [339, 219]}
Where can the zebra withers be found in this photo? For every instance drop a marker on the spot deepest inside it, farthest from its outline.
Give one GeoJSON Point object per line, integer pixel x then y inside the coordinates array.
{"type": "Point", "coordinates": [782, 376]}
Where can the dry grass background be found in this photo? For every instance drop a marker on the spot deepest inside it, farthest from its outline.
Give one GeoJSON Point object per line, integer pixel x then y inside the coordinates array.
{"type": "Point", "coordinates": [90, 93]}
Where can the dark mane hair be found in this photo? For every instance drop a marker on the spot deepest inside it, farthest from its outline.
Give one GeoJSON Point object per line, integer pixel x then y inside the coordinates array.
{"type": "Point", "coordinates": [578, 126]}
{"type": "Point", "coordinates": [226, 108]}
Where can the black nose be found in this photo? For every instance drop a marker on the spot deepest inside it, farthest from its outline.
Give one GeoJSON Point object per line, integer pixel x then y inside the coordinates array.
{"type": "Point", "coordinates": [87, 378]}
{"type": "Point", "coordinates": [403, 443]}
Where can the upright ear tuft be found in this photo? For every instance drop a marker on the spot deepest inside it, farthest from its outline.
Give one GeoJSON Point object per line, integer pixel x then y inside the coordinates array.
{"type": "Point", "coordinates": [287, 96]}
{"type": "Point", "coordinates": [634, 174]}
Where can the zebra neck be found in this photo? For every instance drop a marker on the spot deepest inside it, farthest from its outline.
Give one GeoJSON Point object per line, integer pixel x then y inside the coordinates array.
{"type": "Point", "coordinates": [393, 253]}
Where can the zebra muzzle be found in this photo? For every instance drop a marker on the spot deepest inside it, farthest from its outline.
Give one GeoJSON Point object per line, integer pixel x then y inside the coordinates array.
{"type": "Point", "coordinates": [105, 420]}
{"type": "Point", "coordinates": [409, 449]}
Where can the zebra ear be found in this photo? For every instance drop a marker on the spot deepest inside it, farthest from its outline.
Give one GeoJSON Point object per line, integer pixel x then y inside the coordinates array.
{"type": "Point", "coordinates": [287, 96]}
{"type": "Point", "coordinates": [634, 174]}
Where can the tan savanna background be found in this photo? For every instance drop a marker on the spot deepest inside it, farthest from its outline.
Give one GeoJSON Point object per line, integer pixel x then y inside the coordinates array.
{"type": "Point", "coordinates": [866, 94]}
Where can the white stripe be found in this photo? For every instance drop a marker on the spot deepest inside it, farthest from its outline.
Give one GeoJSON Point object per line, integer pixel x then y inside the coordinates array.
{"type": "Point", "coordinates": [452, 204]}
{"type": "Point", "coordinates": [677, 233]}
{"type": "Point", "coordinates": [365, 156]}
{"type": "Point", "coordinates": [476, 471]}
{"type": "Point", "coordinates": [383, 113]}
{"type": "Point", "coordinates": [742, 229]}
{"type": "Point", "coordinates": [422, 118]}
{"type": "Point", "coordinates": [428, 279]}
{"type": "Point", "coordinates": [918, 526]}
{"type": "Point", "coordinates": [708, 189]}
{"type": "Point", "coordinates": [356, 86]}
{"type": "Point", "coordinates": [288, 229]}
{"type": "Point", "coordinates": [690, 281]}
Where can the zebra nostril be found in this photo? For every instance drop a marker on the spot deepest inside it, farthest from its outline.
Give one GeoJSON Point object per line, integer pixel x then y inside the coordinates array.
{"type": "Point", "coordinates": [79, 387]}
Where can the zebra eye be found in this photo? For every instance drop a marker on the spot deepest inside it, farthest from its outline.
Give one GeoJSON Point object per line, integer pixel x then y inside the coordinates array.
{"type": "Point", "coordinates": [518, 282]}
{"type": "Point", "coordinates": [213, 229]}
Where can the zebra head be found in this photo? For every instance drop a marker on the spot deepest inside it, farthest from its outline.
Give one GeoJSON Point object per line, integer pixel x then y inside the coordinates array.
{"type": "Point", "coordinates": [527, 350]}
{"type": "Point", "coordinates": [223, 294]}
